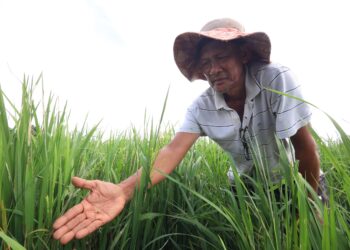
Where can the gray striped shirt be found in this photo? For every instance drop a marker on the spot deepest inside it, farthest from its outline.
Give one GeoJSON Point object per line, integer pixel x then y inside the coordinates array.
{"type": "Point", "coordinates": [267, 115]}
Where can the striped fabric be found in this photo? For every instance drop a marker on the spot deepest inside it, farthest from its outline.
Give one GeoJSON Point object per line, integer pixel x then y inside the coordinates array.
{"type": "Point", "coordinates": [267, 115]}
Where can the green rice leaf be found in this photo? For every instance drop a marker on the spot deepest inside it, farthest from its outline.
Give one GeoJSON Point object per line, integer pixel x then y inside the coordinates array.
{"type": "Point", "coordinates": [11, 242]}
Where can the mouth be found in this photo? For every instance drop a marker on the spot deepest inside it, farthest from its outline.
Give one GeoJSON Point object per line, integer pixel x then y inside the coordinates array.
{"type": "Point", "coordinates": [219, 81]}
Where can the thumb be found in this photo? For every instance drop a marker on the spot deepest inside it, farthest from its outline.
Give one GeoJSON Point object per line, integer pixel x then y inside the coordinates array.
{"type": "Point", "coordinates": [82, 183]}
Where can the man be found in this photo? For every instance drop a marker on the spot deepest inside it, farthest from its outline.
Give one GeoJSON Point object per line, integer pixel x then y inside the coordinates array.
{"type": "Point", "coordinates": [236, 109]}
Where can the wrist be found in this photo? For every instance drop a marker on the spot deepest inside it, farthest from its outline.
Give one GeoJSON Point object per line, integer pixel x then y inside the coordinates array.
{"type": "Point", "coordinates": [128, 186]}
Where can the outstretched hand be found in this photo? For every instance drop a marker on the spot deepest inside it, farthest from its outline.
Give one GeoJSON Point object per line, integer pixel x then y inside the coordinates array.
{"type": "Point", "coordinates": [104, 202]}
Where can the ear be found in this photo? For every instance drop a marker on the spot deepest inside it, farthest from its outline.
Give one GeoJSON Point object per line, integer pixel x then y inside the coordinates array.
{"type": "Point", "coordinates": [245, 53]}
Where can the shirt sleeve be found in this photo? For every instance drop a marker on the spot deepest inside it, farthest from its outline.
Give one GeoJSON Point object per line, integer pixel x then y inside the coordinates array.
{"type": "Point", "coordinates": [288, 106]}
{"type": "Point", "coordinates": [190, 124]}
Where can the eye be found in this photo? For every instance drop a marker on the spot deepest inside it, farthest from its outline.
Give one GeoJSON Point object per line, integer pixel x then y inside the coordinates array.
{"type": "Point", "coordinates": [203, 65]}
{"type": "Point", "coordinates": [222, 57]}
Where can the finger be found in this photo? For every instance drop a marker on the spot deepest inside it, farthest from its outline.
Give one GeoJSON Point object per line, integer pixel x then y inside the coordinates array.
{"type": "Point", "coordinates": [72, 234]}
{"type": "Point", "coordinates": [75, 221]}
{"type": "Point", "coordinates": [67, 237]}
{"type": "Point", "coordinates": [82, 183]}
{"type": "Point", "coordinates": [64, 234]}
{"type": "Point", "coordinates": [89, 229]}
{"type": "Point", "coordinates": [58, 234]}
{"type": "Point", "coordinates": [71, 213]}
{"type": "Point", "coordinates": [69, 226]}
{"type": "Point", "coordinates": [82, 225]}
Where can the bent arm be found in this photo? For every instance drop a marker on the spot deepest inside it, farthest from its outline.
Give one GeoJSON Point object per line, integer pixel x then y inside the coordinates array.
{"type": "Point", "coordinates": [306, 152]}
{"type": "Point", "coordinates": [166, 161]}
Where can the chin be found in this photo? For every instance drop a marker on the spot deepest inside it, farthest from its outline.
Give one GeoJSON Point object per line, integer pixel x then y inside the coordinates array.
{"type": "Point", "coordinates": [220, 90]}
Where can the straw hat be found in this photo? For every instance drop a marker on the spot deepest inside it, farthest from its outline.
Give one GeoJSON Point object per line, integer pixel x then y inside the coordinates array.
{"type": "Point", "coordinates": [225, 29]}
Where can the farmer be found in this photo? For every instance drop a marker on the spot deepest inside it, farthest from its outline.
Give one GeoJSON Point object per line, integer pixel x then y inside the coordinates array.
{"type": "Point", "coordinates": [237, 111]}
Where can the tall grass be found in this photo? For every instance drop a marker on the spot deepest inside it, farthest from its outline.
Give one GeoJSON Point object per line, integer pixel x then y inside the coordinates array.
{"type": "Point", "coordinates": [193, 209]}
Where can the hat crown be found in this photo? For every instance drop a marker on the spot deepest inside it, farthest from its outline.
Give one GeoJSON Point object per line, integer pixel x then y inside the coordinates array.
{"type": "Point", "coordinates": [223, 23]}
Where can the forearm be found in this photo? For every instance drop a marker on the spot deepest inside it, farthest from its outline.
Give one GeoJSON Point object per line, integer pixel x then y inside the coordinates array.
{"type": "Point", "coordinates": [309, 167]}
{"type": "Point", "coordinates": [306, 153]}
{"type": "Point", "coordinates": [166, 161]}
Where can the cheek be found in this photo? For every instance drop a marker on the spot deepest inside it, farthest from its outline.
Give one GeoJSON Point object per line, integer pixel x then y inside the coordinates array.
{"type": "Point", "coordinates": [208, 79]}
{"type": "Point", "coordinates": [237, 73]}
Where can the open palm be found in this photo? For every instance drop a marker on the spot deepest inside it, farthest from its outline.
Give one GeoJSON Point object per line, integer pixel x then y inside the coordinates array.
{"type": "Point", "coordinates": [104, 202]}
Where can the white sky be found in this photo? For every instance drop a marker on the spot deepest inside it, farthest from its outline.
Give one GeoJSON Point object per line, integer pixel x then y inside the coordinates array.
{"type": "Point", "coordinates": [111, 60]}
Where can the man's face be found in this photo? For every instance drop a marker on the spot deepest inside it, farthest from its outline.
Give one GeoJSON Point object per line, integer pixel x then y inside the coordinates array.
{"type": "Point", "coordinates": [222, 66]}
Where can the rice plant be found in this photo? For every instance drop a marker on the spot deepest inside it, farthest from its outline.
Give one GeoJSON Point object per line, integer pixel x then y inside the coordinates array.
{"type": "Point", "coordinates": [194, 208]}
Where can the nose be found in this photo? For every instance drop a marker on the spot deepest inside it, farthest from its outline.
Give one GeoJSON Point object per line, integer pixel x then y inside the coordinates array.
{"type": "Point", "coordinates": [214, 68]}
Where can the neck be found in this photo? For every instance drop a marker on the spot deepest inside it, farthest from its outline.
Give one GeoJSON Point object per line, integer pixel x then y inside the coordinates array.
{"type": "Point", "coordinates": [236, 102]}
{"type": "Point", "coordinates": [239, 94]}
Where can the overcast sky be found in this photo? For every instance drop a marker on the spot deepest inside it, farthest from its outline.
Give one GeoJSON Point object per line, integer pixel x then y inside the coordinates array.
{"type": "Point", "coordinates": [111, 60]}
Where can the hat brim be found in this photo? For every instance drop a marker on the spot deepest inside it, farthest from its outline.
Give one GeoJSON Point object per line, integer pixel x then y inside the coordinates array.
{"type": "Point", "coordinates": [185, 47]}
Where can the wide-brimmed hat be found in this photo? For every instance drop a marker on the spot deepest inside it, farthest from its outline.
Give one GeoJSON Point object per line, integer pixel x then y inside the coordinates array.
{"type": "Point", "coordinates": [225, 29]}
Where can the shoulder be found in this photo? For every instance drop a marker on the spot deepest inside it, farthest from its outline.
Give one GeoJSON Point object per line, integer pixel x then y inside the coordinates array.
{"type": "Point", "coordinates": [206, 100]}
{"type": "Point", "coordinates": [265, 74]}
{"type": "Point", "coordinates": [266, 69]}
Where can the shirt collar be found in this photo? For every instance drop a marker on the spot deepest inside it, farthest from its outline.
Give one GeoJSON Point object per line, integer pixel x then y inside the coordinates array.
{"type": "Point", "coordinates": [220, 102]}
{"type": "Point", "coordinates": [252, 86]}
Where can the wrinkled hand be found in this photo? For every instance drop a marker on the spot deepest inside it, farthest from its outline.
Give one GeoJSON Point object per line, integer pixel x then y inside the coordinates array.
{"type": "Point", "coordinates": [104, 202]}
